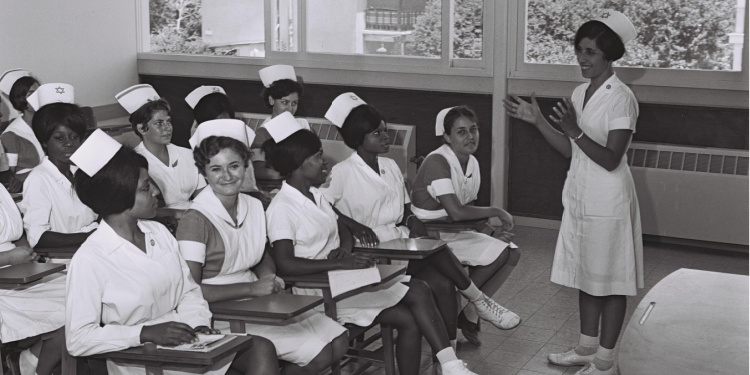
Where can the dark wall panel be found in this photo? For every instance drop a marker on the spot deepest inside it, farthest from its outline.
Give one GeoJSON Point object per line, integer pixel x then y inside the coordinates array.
{"type": "Point", "coordinates": [410, 107]}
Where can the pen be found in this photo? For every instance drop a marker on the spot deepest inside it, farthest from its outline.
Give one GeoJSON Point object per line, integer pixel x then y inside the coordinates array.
{"type": "Point", "coordinates": [647, 313]}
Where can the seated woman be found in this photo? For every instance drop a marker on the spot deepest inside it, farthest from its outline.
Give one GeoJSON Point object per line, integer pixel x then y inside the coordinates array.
{"type": "Point", "coordinates": [305, 232]}
{"type": "Point", "coordinates": [53, 214]}
{"type": "Point", "coordinates": [370, 190]}
{"type": "Point", "coordinates": [446, 185]}
{"type": "Point", "coordinates": [32, 315]}
{"type": "Point", "coordinates": [171, 167]}
{"type": "Point", "coordinates": [128, 284]}
{"type": "Point", "coordinates": [212, 103]}
{"type": "Point", "coordinates": [281, 93]}
{"type": "Point", "coordinates": [223, 239]}
{"type": "Point", "coordinates": [22, 149]}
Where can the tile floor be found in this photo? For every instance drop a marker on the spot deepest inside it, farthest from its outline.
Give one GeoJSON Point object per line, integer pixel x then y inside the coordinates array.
{"type": "Point", "coordinates": [550, 312]}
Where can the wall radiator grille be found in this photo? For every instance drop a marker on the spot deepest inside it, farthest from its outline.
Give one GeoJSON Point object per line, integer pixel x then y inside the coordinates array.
{"type": "Point", "coordinates": [692, 192]}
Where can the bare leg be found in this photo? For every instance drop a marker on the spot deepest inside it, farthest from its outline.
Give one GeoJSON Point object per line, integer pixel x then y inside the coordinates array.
{"type": "Point", "coordinates": [444, 293]}
{"type": "Point", "coordinates": [613, 315]}
{"type": "Point", "coordinates": [259, 358]}
{"type": "Point", "coordinates": [409, 340]}
{"type": "Point", "coordinates": [50, 354]}
{"type": "Point", "coordinates": [422, 305]}
{"type": "Point", "coordinates": [331, 353]}
{"type": "Point", "coordinates": [446, 263]}
{"type": "Point", "coordinates": [483, 275]}
{"type": "Point", "coordinates": [590, 312]}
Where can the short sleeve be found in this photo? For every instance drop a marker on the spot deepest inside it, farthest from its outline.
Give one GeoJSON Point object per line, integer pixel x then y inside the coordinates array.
{"type": "Point", "coordinates": [333, 189]}
{"type": "Point", "coordinates": [281, 223]}
{"type": "Point", "coordinates": [192, 236]}
{"type": "Point", "coordinates": [437, 175]}
{"type": "Point", "coordinates": [623, 112]}
{"type": "Point", "coordinates": [36, 208]}
{"type": "Point", "coordinates": [3, 159]}
{"type": "Point", "coordinates": [11, 146]}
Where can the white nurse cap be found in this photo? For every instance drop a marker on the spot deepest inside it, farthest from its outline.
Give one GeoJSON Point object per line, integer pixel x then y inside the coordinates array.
{"type": "Point", "coordinates": [619, 23]}
{"type": "Point", "coordinates": [440, 121]}
{"type": "Point", "coordinates": [10, 77]}
{"type": "Point", "coordinates": [342, 106]}
{"type": "Point", "coordinates": [95, 152]}
{"type": "Point", "coordinates": [273, 73]}
{"type": "Point", "coordinates": [282, 126]}
{"type": "Point", "coordinates": [196, 95]}
{"type": "Point", "coordinates": [51, 93]}
{"type": "Point", "coordinates": [134, 97]}
{"type": "Point", "coordinates": [223, 128]}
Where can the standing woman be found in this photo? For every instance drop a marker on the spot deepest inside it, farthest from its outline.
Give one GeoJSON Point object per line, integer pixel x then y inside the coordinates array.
{"type": "Point", "coordinates": [370, 189]}
{"type": "Point", "coordinates": [54, 216]}
{"type": "Point", "coordinates": [307, 238]}
{"type": "Point", "coordinates": [599, 250]}
{"type": "Point", "coordinates": [22, 149]}
{"type": "Point", "coordinates": [223, 239]}
{"type": "Point", "coordinates": [446, 185]}
{"type": "Point", "coordinates": [171, 166]}
{"type": "Point", "coordinates": [281, 93]}
{"type": "Point", "coordinates": [128, 284]}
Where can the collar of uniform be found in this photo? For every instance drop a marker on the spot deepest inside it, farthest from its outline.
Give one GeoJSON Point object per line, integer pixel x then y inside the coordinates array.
{"type": "Point", "coordinates": [106, 238]}
{"type": "Point", "coordinates": [18, 123]}
{"type": "Point", "coordinates": [52, 170]}
{"type": "Point", "coordinates": [208, 201]}
{"type": "Point", "coordinates": [141, 148]}
{"type": "Point", "coordinates": [297, 196]}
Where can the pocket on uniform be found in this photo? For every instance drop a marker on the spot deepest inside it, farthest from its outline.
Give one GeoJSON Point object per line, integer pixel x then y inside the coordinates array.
{"type": "Point", "coordinates": [606, 200]}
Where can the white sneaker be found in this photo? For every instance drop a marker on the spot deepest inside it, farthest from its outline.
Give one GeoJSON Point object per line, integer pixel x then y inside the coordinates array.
{"type": "Point", "coordinates": [457, 367]}
{"type": "Point", "coordinates": [499, 316]}
{"type": "Point", "coordinates": [590, 369]}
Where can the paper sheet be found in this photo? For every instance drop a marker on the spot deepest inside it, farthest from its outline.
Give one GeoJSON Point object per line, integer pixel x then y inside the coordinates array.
{"type": "Point", "coordinates": [342, 281]}
{"type": "Point", "coordinates": [205, 343]}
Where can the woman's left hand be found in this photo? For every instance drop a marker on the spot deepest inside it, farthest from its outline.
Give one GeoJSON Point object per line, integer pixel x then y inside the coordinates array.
{"type": "Point", "coordinates": [417, 228]}
{"type": "Point", "coordinates": [363, 233]}
{"type": "Point", "coordinates": [566, 118]}
{"type": "Point", "coordinates": [206, 330]}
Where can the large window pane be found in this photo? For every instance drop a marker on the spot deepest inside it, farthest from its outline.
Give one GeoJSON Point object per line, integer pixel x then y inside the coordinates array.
{"type": "Point", "coordinates": [467, 29]}
{"type": "Point", "coordinates": [674, 34]}
{"type": "Point", "coordinates": [216, 27]}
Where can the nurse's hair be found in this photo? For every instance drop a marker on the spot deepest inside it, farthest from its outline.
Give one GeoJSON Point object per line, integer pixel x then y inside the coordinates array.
{"type": "Point", "coordinates": [144, 114]}
{"type": "Point", "coordinates": [279, 89]}
{"type": "Point", "coordinates": [112, 189]}
{"type": "Point", "coordinates": [53, 115]}
{"type": "Point", "coordinates": [18, 92]}
{"type": "Point", "coordinates": [361, 120]}
{"type": "Point", "coordinates": [212, 145]}
{"type": "Point", "coordinates": [456, 113]}
{"type": "Point", "coordinates": [289, 154]}
{"type": "Point", "coordinates": [211, 106]}
{"type": "Point", "coordinates": [606, 40]}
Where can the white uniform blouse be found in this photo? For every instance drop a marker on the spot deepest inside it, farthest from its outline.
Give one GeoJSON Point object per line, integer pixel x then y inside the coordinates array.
{"type": "Point", "coordinates": [11, 226]}
{"type": "Point", "coordinates": [114, 289]}
{"type": "Point", "coordinates": [178, 180]}
{"type": "Point", "coordinates": [50, 203]}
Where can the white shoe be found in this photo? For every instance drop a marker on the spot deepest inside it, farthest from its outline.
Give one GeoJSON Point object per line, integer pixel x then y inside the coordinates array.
{"type": "Point", "coordinates": [499, 316]}
{"type": "Point", "coordinates": [457, 367]}
{"type": "Point", "coordinates": [570, 358]}
{"type": "Point", "coordinates": [590, 369]}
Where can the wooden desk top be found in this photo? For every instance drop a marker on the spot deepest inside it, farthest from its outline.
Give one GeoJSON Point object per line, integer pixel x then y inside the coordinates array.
{"type": "Point", "coordinates": [279, 306]}
{"type": "Point", "coordinates": [697, 325]}
{"type": "Point", "coordinates": [404, 248]}
{"type": "Point", "coordinates": [25, 273]}
{"type": "Point", "coordinates": [320, 280]}
{"type": "Point", "coordinates": [149, 355]}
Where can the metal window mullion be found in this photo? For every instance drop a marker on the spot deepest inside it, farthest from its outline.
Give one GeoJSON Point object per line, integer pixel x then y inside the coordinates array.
{"type": "Point", "coordinates": [446, 32]}
{"type": "Point", "coordinates": [301, 26]}
{"type": "Point", "coordinates": [269, 17]}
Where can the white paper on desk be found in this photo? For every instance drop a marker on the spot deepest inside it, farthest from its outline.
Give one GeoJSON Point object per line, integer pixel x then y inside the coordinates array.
{"type": "Point", "coordinates": [203, 344]}
{"type": "Point", "coordinates": [342, 281]}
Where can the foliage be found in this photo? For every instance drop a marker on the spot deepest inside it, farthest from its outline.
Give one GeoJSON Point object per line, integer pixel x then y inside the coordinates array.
{"type": "Point", "coordinates": [467, 30]}
{"type": "Point", "coordinates": [176, 26]}
{"type": "Point", "coordinates": [169, 40]}
{"type": "Point", "coordinates": [427, 31]}
{"type": "Point", "coordinates": [678, 34]}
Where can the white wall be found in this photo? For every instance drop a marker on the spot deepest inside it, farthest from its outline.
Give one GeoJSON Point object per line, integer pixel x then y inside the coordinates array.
{"type": "Point", "coordinates": [90, 44]}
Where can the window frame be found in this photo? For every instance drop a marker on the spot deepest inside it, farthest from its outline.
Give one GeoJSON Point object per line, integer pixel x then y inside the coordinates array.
{"type": "Point", "coordinates": [519, 69]}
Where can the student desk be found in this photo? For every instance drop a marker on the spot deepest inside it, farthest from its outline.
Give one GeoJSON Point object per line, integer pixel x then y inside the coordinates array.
{"type": "Point", "coordinates": [698, 324]}
{"type": "Point", "coordinates": [403, 248]}
{"type": "Point", "coordinates": [274, 309]}
{"type": "Point", "coordinates": [448, 225]}
{"type": "Point", "coordinates": [27, 274]}
{"type": "Point", "coordinates": [156, 360]}
{"type": "Point", "coordinates": [65, 252]}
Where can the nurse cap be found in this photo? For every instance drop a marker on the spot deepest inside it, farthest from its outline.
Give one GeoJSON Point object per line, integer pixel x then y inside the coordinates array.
{"type": "Point", "coordinates": [342, 106]}
{"type": "Point", "coordinates": [273, 73]}
{"type": "Point", "coordinates": [10, 77]}
{"type": "Point", "coordinates": [49, 93]}
{"type": "Point", "coordinates": [223, 128]}
{"type": "Point", "coordinates": [196, 95]}
{"type": "Point", "coordinates": [619, 23]}
{"type": "Point", "coordinates": [282, 126]}
{"type": "Point", "coordinates": [134, 97]}
{"type": "Point", "coordinates": [440, 121]}
{"type": "Point", "coordinates": [95, 152]}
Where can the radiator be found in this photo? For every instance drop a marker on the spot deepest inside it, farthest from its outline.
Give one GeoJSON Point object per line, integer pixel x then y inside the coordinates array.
{"type": "Point", "coordinates": [692, 192]}
{"type": "Point", "coordinates": [402, 147]}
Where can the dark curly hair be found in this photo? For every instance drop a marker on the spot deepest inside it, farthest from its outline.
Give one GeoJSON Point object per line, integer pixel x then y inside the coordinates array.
{"type": "Point", "coordinates": [280, 89]}
{"type": "Point", "coordinates": [144, 114]}
{"type": "Point", "coordinates": [53, 115]}
{"type": "Point", "coordinates": [212, 145]}
{"type": "Point", "coordinates": [456, 113]}
{"type": "Point", "coordinates": [18, 92]}
{"type": "Point", "coordinates": [606, 40]}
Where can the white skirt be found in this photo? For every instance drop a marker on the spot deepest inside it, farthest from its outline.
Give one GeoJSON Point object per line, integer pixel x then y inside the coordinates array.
{"type": "Point", "coordinates": [32, 311]}
{"type": "Point", "coordinates": [474, 248]}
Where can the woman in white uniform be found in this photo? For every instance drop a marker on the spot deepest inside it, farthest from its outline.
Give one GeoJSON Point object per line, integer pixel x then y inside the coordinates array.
{"type": "Point", "coordinates": [446, 186]}
{"type": "Point", "coordinates": [22, 150]}
{"type": "Point", "coordinates": [304, 232]}
{"type": "Point", "coordinates": [171, 166]}
{"type": "Point", "coordinates": [599, 250]}
{"type": "Point", "coordinates": [370, 190]}
{"type": "Point", "coordinates": [282, 93]}
{"type": "Point", "coordinates": [53, 214]}
{"type": "Point", "coordinates": [128, 284]}
{"type": "Point", "coordinates": [27, 314]}
{"type": "Point", "coordinates": [223, 239]}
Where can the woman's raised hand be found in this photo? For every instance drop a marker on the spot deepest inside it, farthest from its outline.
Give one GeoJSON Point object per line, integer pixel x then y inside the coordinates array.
{"type": "Point", "coordinates": [522, 109]}
{"type": "Point", "coordinates": [565, 116]}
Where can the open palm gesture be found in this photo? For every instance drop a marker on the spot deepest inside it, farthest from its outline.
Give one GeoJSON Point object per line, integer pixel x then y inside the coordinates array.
{"type": "Point", "coordinates": [522, 109]}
